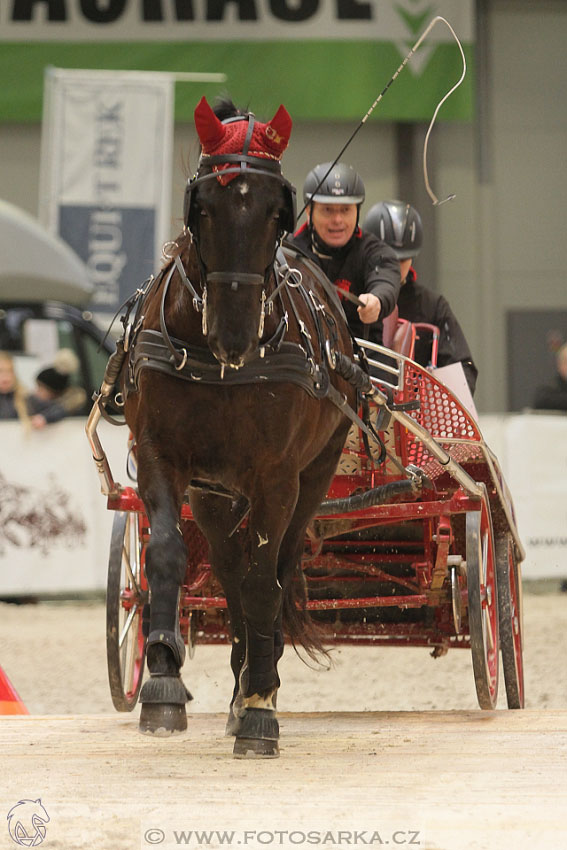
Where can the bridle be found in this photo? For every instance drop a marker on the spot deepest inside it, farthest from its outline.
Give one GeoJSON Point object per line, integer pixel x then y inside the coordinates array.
{"type": "Point", "coordinates": [239, 163]}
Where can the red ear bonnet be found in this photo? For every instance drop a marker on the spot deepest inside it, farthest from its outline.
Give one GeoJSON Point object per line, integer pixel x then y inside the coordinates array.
{"type": "Point", "coordinates": [268, 140]}
{"type": "Point", "coordinates": [210, 130]}
{"type": "Point", "coordinates": [278, 131]}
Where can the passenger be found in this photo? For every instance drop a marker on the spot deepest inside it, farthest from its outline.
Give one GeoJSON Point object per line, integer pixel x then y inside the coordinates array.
{"type": "Point", "coordinates": [554, 396]}
{"type": "Point", "coordinates": [13, 397]}
{"type": "Point", "coordinates": [54, 396]}
{"type": "Point", "coordinates": [354, 261]}
{"type": "Point", "coordinates": [399, 225]}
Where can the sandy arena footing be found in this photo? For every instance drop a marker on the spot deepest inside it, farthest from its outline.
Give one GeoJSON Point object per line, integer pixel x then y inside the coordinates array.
{"type": "Point", "coordinates": [435, 780]}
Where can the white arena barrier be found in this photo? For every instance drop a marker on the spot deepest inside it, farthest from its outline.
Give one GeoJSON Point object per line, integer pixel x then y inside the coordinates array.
{"type": "Point", "coordinates": [532, 452]}
{"type": "Point", "coordinates": [55, 527]}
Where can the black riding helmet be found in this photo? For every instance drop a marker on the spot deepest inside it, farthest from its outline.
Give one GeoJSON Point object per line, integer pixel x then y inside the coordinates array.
{"type": "Point", "coordinates": [398, 224]}
{"type": "Point", "coordinates": [342, 185]}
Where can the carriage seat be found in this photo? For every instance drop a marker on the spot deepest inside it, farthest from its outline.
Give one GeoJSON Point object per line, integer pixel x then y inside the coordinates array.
{"type": "Point", "coordinates": [399, 334]}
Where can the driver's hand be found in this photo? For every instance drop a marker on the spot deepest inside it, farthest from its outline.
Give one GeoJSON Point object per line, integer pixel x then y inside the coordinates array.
{"type": "Point", "coordinates": [371, 310]}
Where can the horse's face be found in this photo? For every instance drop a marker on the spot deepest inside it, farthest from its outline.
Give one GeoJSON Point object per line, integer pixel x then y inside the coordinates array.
{"type": "Point", "coordinates": [237, 227]}
{"type": "Point", "coordinates": [237, 215]}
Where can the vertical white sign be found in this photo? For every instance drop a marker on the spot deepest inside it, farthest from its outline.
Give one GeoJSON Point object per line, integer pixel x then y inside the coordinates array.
{"type": "Point", "coordinates": [107, 142]}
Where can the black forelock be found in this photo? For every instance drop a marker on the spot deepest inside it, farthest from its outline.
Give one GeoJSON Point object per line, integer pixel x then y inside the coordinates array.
{"type": "Point", "coordinates": [223, 107]}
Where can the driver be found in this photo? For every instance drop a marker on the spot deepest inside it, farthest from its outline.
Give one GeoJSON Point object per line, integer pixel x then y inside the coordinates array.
{"type": "Point", "coordinates": [354, 261]}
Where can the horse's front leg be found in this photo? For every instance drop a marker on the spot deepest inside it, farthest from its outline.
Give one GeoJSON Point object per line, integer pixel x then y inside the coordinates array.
{"type": "Point", "coordinates": [216, 519]}
{"type": "Point", "coordinates": [164, 695]}
{"type": "Point", "coordinates": [254, 708]}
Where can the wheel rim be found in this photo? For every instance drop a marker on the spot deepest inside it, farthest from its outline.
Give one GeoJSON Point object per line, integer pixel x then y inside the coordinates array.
{"type": "Point", "coordinates": [456, 600]}
{"type": "Point", "coordinates": [482, 604]}
{"type": "Point", "coordinates": [126, 596]}
{"type": "Point", "coordinates": [511, 620]}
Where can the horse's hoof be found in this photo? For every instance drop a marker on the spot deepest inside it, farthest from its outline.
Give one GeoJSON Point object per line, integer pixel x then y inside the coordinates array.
{"type": "Point", "coordinates": [162, 720]}
{"type": "Point", "coordinates": [232, 725]}
{"type": "Point", "coordinates": [165, 690]}
{"type": "Point", "coordinates": [255, 748]}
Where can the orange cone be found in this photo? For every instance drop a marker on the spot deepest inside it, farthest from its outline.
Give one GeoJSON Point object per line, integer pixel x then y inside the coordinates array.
{"type": "Point", "coordinates": [10, 703]}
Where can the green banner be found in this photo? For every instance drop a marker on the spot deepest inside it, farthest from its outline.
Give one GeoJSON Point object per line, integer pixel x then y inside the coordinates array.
{"type": "Point", "coordinates": [324, 59]}
{"type": "Point", "coordinates": [314, 79]}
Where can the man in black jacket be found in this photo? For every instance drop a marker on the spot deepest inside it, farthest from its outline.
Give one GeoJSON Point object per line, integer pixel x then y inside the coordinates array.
{"type": "Point", "coordinates": [399, 225]}
{"type": "Point", "coordinates": [354, 261]}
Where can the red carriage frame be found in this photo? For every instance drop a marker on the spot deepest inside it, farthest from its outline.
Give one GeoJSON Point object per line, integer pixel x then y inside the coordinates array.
{"type": "Point", "coordinates": [440, 568]}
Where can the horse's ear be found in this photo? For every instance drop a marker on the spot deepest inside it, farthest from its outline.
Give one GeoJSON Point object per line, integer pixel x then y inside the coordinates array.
{"type": "Point", "coordinates": [209, 129]}
{"type": "Point", "coordinates": [278, 130]}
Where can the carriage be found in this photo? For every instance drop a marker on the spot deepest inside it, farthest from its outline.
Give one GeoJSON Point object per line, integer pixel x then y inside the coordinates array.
{"type": "Point", "coordinates": [429, 561]}
{"type": "Point", "coordinates": [239, 381]}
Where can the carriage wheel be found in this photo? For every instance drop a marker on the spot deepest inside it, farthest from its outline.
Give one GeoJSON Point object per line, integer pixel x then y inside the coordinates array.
{"type": "Point", "coordinates": [511, 622]}
{"type": "Point", "coordinates": [126, 596]}
{"type": "Point", "coordinates": [482, 604]}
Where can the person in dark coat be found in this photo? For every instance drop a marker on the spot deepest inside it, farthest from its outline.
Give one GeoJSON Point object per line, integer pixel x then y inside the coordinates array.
{"type": "Point", "coordinates": [554, 396]}
{"type": "Point", "coordinates": [399, 225]}
{"type": "Point", "coordinates": [354, 261]}
{"type": "Point", "coordinates": [55, 397]}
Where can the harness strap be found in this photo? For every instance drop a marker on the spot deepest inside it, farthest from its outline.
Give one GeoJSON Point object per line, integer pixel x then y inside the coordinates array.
{"type": "Point", "coordinates": [286, 365]}
{"type": "Point", "coordinates": [322, 278]}
{"type": "Point", "coordinates": [178, 358]}
{"type": "Point", "coordinates": [197, 300]}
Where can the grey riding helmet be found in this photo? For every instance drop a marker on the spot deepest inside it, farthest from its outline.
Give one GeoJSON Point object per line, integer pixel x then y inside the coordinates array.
{"type": "Point", "coordinates": [341, 185]}
{"type": "Point", "coordinates": [398, 224]}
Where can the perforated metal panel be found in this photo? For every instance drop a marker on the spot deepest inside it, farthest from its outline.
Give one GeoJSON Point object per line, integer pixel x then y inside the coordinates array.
{"type": "Point", "coordinates": [443, 417]}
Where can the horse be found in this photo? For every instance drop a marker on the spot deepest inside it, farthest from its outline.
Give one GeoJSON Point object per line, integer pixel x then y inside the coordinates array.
{"type": "Point", "coordinates": [236, 401]}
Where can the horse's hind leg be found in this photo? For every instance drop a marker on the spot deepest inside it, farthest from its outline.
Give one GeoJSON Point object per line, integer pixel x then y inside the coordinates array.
{"type": "Point", "coordinates": [163, 696]}
{"type": "Point", "coordinates": [314, 484]}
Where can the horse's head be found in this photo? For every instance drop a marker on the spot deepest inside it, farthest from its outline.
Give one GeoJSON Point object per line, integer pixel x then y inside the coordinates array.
{"type": "Point", "coordinates": [237, 207]}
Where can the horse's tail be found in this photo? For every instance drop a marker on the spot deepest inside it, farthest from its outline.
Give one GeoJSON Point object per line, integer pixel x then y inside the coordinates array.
{"type": "Point", "coordinates": [297, 622]}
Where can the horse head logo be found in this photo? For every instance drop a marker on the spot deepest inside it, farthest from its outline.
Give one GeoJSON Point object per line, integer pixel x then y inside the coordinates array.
{"type": "Point", "coordinates": [26, 823]}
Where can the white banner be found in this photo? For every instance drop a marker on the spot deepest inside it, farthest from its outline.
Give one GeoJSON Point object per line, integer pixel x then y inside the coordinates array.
{"type": "Point", "coordinates": [55, 527]}
{"type": "Point", "coordinates": [229, 20]}
{"type": "Point", "coordinates": [532, 452]}
{"type": "Point", "coordinates": [107, 142]}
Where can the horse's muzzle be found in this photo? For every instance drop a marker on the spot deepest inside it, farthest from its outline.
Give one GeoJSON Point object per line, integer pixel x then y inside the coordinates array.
{"type": "Point", "coordinates": [233, 332]}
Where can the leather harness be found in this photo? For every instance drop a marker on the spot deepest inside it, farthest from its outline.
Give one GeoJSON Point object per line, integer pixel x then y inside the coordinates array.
{"type": "Point", "coordinates": [277, 360]}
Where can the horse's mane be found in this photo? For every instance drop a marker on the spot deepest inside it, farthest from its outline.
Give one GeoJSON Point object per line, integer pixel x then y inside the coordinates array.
{"type": "Point", "coordinates": [224, 107]}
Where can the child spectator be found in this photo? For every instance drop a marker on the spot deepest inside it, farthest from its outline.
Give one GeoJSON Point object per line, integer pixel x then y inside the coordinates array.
{"type": "Point", "coordinates": [54, 396]}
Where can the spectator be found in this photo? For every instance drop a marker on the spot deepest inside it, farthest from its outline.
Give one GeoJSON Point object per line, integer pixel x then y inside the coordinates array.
{"type": "Point", "coordinates": [13, 398]}
{"type": "Point", "coordinates": [354, 261]}
{"type": "Point", "coordinates": [554, 396]}
{"type": "Point", "coordinates": [54, 396]}
{"type": "Point", "coordinates": [399, 225]}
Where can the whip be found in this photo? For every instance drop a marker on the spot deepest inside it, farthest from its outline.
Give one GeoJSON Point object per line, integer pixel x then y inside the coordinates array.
{"type": "Point", "coordinates": [434, 198]}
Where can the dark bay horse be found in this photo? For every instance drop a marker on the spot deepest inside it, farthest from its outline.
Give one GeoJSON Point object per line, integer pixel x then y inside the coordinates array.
{"type": "Point", "coordinates": [236, 403]}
